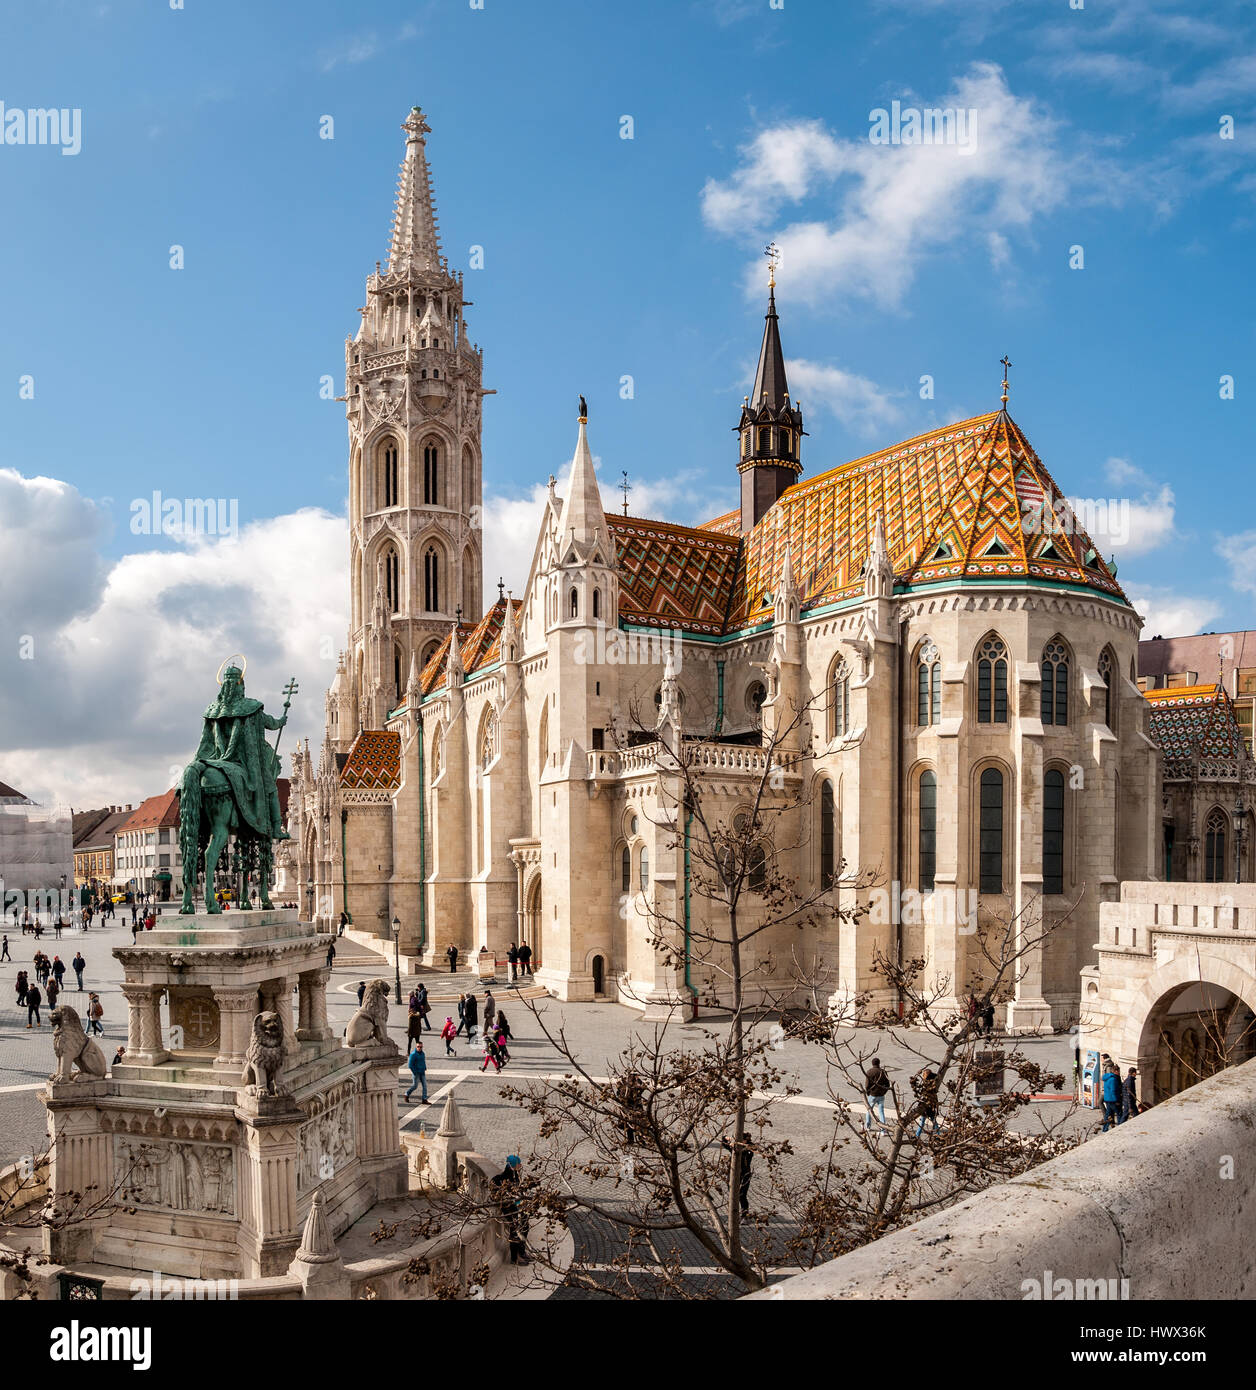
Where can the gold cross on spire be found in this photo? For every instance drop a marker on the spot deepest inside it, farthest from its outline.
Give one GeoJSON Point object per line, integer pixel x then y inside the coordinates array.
{"type": "Point", "coordinates": [773, 253]}
{"type": "Point", "coordinates": [1006, 364]}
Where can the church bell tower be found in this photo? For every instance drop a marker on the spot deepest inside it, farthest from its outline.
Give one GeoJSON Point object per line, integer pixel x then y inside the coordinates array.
{"type": "Point", "coordinates": [412, 397]}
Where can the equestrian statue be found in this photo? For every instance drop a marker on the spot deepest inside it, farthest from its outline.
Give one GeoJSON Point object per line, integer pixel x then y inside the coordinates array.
{"type": "Point", "coordinates": [230, 788]}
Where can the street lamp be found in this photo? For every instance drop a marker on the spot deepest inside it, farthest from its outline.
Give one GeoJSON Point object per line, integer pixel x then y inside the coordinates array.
{"type": "Point", "coordinates": [396, 931]}
{"type": "Point", "coordinates": [1240, 824]}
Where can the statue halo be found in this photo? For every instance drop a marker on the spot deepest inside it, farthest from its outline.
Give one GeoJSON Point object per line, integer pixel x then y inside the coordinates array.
{"type": "Point", "coordinates": [236, 659]}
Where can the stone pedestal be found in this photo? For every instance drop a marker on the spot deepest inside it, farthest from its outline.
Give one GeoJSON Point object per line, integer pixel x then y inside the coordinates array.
{"type": "Point", "coordinates": [197, 1174]}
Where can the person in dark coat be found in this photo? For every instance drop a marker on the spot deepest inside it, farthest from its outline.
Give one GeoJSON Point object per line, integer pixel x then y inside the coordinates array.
{"type": "Point", "coordinates": [79, 965]}
{"type": "Point", "coordinates": [22, 988]}
{"type": "Point", "coordinates": [1111, 1098]}
{"type": "Point", "coordinates": [1129, 1095]}
{"type": "Point", "coordinates": [452, 955]}
{"type": "Point", "coordinates": [33, 1000]}
{"type": "Point", "coordinates": [424, 1007]}
{"type": "Point", "coordinates": [361, 992]}
{"type": "Point", "coordinates": [331, 954]}
{"type": "Point", "coordinates": [525, 959]}
{"type": "Point", "coordinates": [414, 1026]}
{"type": "Point", "coordinates": [490, 1010]}
{"type": "Point", "coordinates": [471, 1016]}
{"type": "Point", "coordinates": [503, 1027]}
{"type": "Point", "coordinates": [512, 957]}
{"type": "Point", "coordinates": [987, 1019]}
{"type": "Point", "coordinates": [506, 1185]}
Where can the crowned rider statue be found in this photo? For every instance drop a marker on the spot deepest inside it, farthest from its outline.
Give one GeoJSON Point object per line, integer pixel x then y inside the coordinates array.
{"type": "Point", "coordinates": [230, 786]}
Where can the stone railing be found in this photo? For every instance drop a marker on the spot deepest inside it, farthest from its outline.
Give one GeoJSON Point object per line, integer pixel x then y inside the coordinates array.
{"type": "Point", "coordinates": [1152, 1209]}
{"type": "Point", "coordinates": [1225, 909]}
{"type": "Point", "coordinates": [739, 758]}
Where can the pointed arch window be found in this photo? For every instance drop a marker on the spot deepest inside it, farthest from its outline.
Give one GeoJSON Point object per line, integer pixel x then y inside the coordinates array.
{"type": "Point", "coordinates": [839, 694]}
{"type": "Point", "coordinates": [388, 473]}
{"type": "Point", "coordinates": [573, 603]}
{"type": "Point", "coordinates": [644, 863]}
{"type": "Point", "coordinates": [928, 839]}
{"type": "Point", "coordinates": [597, 603]}
{"type": "Point", "coordinates": [1107, 671]}
{"type": "Point", "coordinates": [1055, 682]}
{"type": "Point", "coordinates": [392, 578]}
{"type": "Point", "coordinates": [398, 678]}
{"type": "Point", "coordinates": [438, 753]}
{"type": "Point", "coordinates": [1053, 831]}
{"type": "Point", "coordinates": [992, 682]}
{"type": "Point", "coordinates": [431, 579]}
{"type": "Point", "coordinates": [488, 742]}
{"type": "Point", "coordinates": [1214, 847]}
{"type": "Point", "coordinates": [431, 475]}
{"type": "Point", "coordinates": [991, 828]}
{"type": "Point", "coordinates": [625, 870]}
{"type": "Point", "coordinates": [828, 836]}
{"type": "Point", "coordinates": [928, 685]}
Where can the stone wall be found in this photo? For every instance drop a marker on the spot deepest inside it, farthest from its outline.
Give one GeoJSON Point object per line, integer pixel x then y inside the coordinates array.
{"type": "Point", "coordinates": [1165, 1201]}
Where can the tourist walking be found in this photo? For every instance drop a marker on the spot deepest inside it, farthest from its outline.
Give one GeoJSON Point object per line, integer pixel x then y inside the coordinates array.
{"type": "Point", "coordinates": [876, 1085]}
{"type": "Point", "coordinates": [927, 1091]}
{"type": "Point", "coordinates": [503, 1027]}
{"type": "Point", "coordinates": [452, 955]}
{"type": "Point", "coordinates": [58, 969]}
{"type": "Point", "coordinates": [343, 923]}
{"type": "Point", "coordinates": [22, 988]}
{"type": "Point", "coordinates": [4, 949]}
{"type": "Point", "coordinates": [95, 1013]}
{"type": "Point", "coordinates": [490, 1009]}
{"type": "Point", "coordinates": [424, 1007]}
{"type": "Point", "coordinates": [33, 1000]}
{"type": "Point", "coordinates": [502, 1051]}
{"type": "Point", "coordinates": [1111, 1098]}
{"type": "Point", "coordinates": [1129, 1095]}
{"type": "Point", "coordinates": [743, 1182]}
{"type": "Point", "coordinates": [418, 1070]}
{"type": "Point", "coordinates": [506, 1185]}
{"type": "Point", "coordinates": [361, 992]}
{"type": "Point", "coordinates": [54, 989]}
{"type": "Point", "coordinates": [525, 959]}
{"type": "Point", "coordinates": [471, 1015]}
{"type": "Point", "coordinates": [414, 1026]}
{"type": "Point", "coordinates": [490, 1054]}
{"type": "Point", "coordinates": [331, 954]}
{"type": "Point", "coordinates": [448, 1034]}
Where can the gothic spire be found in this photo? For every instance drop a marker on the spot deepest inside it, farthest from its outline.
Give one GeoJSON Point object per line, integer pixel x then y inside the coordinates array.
{"type": "Point", "coordinates": [415, 241]}
{"type": "Point", "coordinates": [770, 387]}
{"type": "Point", "coordinates": [582, 507]}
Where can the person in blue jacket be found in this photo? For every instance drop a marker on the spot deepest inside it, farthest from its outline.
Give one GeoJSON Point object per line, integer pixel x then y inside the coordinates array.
{"type": "Point", "coordinates": [1111, 1098]}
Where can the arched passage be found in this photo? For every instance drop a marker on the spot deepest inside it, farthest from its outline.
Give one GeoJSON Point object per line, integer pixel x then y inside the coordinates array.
{"type": "Point", "coordinates": [1184, 1029]}
{"type": "Point", "coordinates": [532, 920]}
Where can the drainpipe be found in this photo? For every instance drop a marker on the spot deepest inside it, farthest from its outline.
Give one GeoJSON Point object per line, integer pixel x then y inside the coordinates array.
{"type": "Point", "coordinates": [897, 762]}
{"type": "Point", "coordinates": [719, 697]}
{"type": "Point", "coordinates": [422, 847]}
{"type": "Point", "coordinates": [344, 864]}
{"type": "Point", "coordinates": [688, 822]}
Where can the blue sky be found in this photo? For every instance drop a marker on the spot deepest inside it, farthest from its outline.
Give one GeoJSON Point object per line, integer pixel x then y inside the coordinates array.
{"type": "Point", "coordinates": [604, 257]}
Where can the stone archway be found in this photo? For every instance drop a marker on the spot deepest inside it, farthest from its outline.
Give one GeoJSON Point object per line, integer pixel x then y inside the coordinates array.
{"type": "Point", "coordinates": [532, 919]}
{"type": "Point", "coordinates": [1191, 1019]}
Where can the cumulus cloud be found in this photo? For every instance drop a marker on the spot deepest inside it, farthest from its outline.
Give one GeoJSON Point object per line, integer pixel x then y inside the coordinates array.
{"type": "Point", "coordinates": [1169, 614]}
{"type": "Point", "coordinates": [1138, 521]}
{"type": "Point", "coordinates": [107, 666]}
{"type": "Point", "coordinates": [875, 213]}
{"type": "Point", "coordinates": [859, 403]}
{"type": "Point", "coordinates": [1239, 552]}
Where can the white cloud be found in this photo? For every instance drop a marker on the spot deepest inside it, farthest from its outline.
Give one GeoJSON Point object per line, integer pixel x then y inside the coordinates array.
{"type": "Point", "coordinates": [1239, 552]}
{"type": "Point", "coordinates": [1133, 524]}
{"type": "Point", "coordinates": [123, 655]}
{"type": "Point", "coordinates": [1169, 614]}
{"type": "Point", "coordinates": [860, 404]}
{"type": "Point", "coordinates": [890, 207]}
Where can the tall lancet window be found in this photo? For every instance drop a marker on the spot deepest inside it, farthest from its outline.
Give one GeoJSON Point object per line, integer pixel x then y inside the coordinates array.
{"type": "Point", "coordinates": [392, 579]}
{"type": "Point", "coordinates": [388, 472]}
{"type": "Point", "coordinates": [431, 579]}
{"type": "Point", "coordinates": [431, 475]}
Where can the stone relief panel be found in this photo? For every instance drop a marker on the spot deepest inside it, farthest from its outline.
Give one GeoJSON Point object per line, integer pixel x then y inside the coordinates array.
{"type": "Point", "coordinates": [328, 1142]}
{"type": "Point", "coordinates": [178, 1176]}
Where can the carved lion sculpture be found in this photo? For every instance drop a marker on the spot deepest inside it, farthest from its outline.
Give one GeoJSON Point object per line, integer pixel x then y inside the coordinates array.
{"type": "Point", "coordinates": [73, 1048]}
{"type": "Point", "coordinates": [370, 1023]}
{"type": "Point", "coordinates": [264, 1059]}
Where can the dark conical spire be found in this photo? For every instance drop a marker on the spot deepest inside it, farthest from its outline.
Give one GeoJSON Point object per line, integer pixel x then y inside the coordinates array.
{"type": "Point", "coordinates": [770, 387]}
{"type": "Point", "coordinates": [770, 426]}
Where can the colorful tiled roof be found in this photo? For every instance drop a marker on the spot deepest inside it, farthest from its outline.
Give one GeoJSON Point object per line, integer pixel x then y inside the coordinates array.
{"type": "Point", "coordinates": [674, 576]}
{"type": "Point", "coordinates": [374, 762]}
{"type": "Point", "coordinates": [1195, 722]}
{"type": "Point", "coordinates": [479, 644]}
{"type": "Point", "coordinates": [969, 501]}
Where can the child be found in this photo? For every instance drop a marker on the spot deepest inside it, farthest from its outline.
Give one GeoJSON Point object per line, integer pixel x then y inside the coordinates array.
{"type": "Point", "coordinates": [449, 1033]}
{"type": "Point", "coordinates": [490, 1054]}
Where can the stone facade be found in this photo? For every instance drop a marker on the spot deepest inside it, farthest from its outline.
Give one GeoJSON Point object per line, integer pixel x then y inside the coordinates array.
{"type": "Point", "coordinates": [975, 733]}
